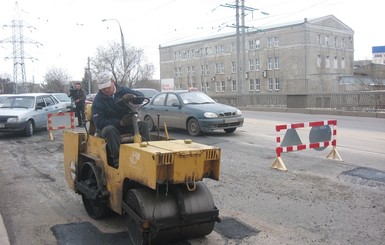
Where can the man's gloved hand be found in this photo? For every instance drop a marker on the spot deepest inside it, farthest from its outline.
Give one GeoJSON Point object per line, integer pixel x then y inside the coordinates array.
{"type": "Point", "coordinates": [127, 98]}
{"type": "Point", "coordinates": [126, 120]}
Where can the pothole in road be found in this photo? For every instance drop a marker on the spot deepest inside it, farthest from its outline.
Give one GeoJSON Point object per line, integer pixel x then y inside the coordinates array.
{"type": "Point", "coordinates": [366, 173]}
{"type": "Point", "coordinates": [85, 233]}
{"type": "Point", "coordinates": [234, 229]}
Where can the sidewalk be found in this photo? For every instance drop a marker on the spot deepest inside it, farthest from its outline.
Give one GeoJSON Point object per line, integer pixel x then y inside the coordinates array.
{"type": "Point", "coordinates": [3, 233]}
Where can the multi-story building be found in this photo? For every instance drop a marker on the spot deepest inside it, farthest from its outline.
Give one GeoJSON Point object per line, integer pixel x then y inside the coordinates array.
{"type": "Point", "coordinates": [378, 53]}
{"type": "Point", "coordinates": [300, 57]}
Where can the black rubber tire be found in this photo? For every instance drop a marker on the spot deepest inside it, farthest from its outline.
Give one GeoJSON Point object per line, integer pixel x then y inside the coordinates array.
{"type": "Point", "coordinates": [150, 123]}
{"type": "Point", "coordinates": [229, 130]}
{"type": "Point", "coordinates": [95, 210]}
{"type": "Point", "coordinates": [193, 127]}
{"type": "Point", "coordinates": [28, 130]}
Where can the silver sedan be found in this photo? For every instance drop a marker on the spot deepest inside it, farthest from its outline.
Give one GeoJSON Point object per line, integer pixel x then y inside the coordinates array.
{"type": "Point", "coordinates": [193, 111]}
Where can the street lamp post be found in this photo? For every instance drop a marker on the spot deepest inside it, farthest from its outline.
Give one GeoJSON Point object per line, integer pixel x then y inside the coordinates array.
{"type": "Point", "coordinates": [123, 47]}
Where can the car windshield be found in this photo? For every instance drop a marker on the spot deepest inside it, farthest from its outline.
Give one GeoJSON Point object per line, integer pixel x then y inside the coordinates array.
{"type": "Point", "coordinates": [18, 102]}
{"type": "Point", "coordinates": [196, 98]}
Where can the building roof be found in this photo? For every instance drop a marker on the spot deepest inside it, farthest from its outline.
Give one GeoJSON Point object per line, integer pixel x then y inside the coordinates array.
{"type": "Point", "coordinates": [312, 21]}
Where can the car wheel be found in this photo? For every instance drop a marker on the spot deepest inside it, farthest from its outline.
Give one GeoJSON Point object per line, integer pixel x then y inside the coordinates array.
{"type": "Point", "coordinates": [28, 130]}
{"type": "Point", "coordinates": [150, 123]}
{"type": "Point", "coordinates": [229, 130]}
{"type": "Point", "coordinates": [193, 127]}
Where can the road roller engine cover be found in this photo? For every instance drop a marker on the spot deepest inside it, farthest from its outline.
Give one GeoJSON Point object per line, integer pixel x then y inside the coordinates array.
{"type": "Point", "coordinates": [157, 184]}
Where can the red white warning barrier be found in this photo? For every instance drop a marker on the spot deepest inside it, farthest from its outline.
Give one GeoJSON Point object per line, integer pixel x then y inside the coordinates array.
{"type": "Point", "coordinates": [61, 120]}
{"type": "Point", "coordinates": [278, 163]}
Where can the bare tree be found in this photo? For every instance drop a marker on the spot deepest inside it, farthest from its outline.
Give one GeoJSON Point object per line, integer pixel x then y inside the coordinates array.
{"type": "Point", "coordinates": [56, 80]}
{"type": "Point", "coordinates": [110, 59]}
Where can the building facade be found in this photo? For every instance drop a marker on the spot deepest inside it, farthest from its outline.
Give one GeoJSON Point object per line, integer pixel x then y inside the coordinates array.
{"type": "Point", "coordinates": [302, 57]}
{"type": "Point", "coordinates": [378, 53]}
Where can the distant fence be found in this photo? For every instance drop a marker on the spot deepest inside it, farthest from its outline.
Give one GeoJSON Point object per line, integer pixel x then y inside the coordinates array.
{"type": "Point", "coordinates": [349, 101]}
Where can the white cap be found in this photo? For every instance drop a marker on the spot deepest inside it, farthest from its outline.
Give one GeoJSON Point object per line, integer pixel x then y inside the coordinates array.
{"type": "Point", "coordinates": [104, 80]}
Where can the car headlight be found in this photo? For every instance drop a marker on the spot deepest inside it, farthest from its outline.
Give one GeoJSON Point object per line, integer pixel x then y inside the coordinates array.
{"type": "Point", "coordinates": [239, 113]}
{"type": "Point", "coordinates": [12, 120]}
{"type": "Point", "coordinates": [210, 115]}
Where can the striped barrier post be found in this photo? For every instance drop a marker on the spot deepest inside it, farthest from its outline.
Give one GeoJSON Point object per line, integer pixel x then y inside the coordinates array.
{"type": "Point", "coordinates": [278, 163]}
{"type": "Point", "coordinates": [61, 120]}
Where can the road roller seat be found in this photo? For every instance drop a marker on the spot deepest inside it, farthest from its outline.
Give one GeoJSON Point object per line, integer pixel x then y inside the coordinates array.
{"type": "Point", "coordinates": [92, 130]}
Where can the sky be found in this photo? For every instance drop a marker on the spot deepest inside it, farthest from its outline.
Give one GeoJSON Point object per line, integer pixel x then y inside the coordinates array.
{"type": "Point", "coordinates": [64, 33]}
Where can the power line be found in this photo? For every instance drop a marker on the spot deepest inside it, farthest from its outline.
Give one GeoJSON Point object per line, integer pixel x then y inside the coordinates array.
{"type": "Point", "coordinates": [18, 55]}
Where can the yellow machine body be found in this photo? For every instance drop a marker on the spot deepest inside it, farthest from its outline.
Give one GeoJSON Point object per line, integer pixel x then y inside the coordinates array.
{"type": "Point", "coordinates": [147, 163]}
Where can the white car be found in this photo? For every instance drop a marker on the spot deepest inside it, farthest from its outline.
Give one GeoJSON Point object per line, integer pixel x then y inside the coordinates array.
{"type": "Point", "coordinates": [26, 112]}
{"type": "Point", "coordinates": [63, 97]}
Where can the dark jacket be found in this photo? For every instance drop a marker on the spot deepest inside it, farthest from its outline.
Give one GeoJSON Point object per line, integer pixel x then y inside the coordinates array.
{"type": "Point", "coordinates": [105, 111]}
{"type": "Point", "coordinates": [79, 95]}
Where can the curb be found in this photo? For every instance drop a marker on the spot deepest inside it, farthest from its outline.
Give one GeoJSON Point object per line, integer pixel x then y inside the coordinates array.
{"type": "Point", "coordinates": [4, 240]}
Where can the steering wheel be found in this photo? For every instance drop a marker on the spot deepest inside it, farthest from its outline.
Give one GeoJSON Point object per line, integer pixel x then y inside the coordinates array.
{"type": "Point", "coordinates": [133, 107]}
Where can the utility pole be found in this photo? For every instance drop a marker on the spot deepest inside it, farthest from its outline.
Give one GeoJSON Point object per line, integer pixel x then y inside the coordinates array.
{"type": "Point", "coordinates": [89, 75]}
{"type": "Point", "coordinates": [241, 46]}
{"type": "Point", "coordinates": [18, 55]}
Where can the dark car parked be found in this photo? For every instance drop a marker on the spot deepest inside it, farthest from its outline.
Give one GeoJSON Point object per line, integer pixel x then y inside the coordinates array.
{"type": "Point", "coordinates": [194, 111]}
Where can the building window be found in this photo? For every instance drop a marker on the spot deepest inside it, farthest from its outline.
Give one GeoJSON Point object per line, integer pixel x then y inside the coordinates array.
{"type": "Point", "coordinates": [207, 70]}
{"type": "Point", "coordinates": [202, 70]}
{"type": "Point", "coordinates": [276, 41]}
{"type": "Point", "coordinates": [257, 65]}
{"type": "Point", "coordinates": [233, 48]}
{"type": "Point", "coordinates": [277, 83]}
{"type": "Point", "coordinates": [222, 67]}
{"type": "Point", "coordinates": [343, 62]}
{"type": "Point", "coordinates": [270, 63]}
{"type": "Point", "coordinates": [233, 67]}
{"type": "Point", "coordinates": [327, 41]}
{"type": "Point", "coordinates": [251, 44]}
{"type": "Point", "coordinates": [319, 61]}
{"type": "Point", "coordinates": [234, 87]}
{"type": "Point", "coordinates": [335, 63]}
{"type": "Point", "coordinates": [319, 40]}
{"type": "Point", "coordinates": [270, 81]}
{"type": "Point", "coordinates": [251, 65]}
{"type": "Point", "coordinates": [216, 49]}
{"type": "Point", "coordinates": [276, 62]}
{"type": "Point", "coordinates": [335, 42]}
{"type": "Point", "coordinates": [175, 72]}
{"type": "Point", "coordinates": [343, 43]}
{"type": "Point", "coordinates": [223, 86]}
{"type": "Point", "coordinates": [251, 85]}
{"type": "Point", "coordinates": [206, 51]}
{"type": "Point", "coordinates": [257, 85]}
{"type": "Point", "coordinates": [257, 44]}
{"type": "Point", "coordinates": [269, 42]}
{"type": "Point", "coordinates": [192, 70]}
{"type": "Point", "coordinates": [327, 62]}
{"type": "Point", "coordinates": [221, 49]}
{"type": "Point", "coordinates": [218, 86]}
{"type": "Point", "coordinates": [217, 68]}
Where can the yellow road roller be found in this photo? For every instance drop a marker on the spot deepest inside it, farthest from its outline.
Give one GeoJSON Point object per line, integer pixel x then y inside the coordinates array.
{"type": "Point", "coordinates": [157, 184]}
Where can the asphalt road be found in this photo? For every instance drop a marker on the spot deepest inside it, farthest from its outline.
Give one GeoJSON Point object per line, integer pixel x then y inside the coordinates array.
{"type": "Point", "coordinates": [317, 201]}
